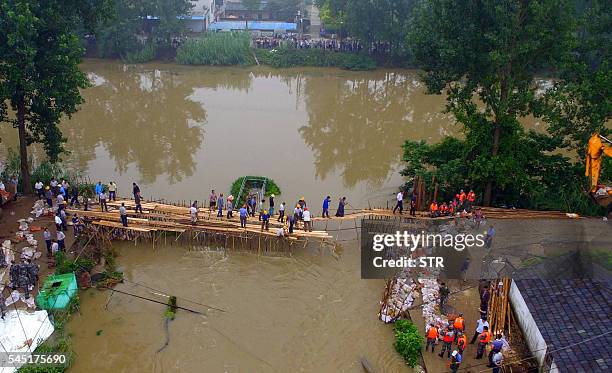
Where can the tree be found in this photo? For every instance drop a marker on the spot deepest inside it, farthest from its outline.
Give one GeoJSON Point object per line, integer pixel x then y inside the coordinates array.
{"type": "Point", "coordinates": [39, 68]}
{"type": "Point", "coordinates": [484, 56]}
{"type": "Point", "coordinates": [383, 21]}
{"type": "Point", "coordinates": [580, 102]}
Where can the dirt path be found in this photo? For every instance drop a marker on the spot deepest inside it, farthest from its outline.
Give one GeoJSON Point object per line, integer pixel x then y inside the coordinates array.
{"type": "Point", "coordinates": [11, 213]}
{"type": "Point", "coordinates": [467, 302]}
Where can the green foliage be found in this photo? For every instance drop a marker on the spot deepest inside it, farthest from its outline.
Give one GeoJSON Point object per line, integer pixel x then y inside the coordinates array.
{"type": "Point", "coordinates": [118, 37]}
{"type": "Point", "coordinates": [580, 103]}
{"type": "Point", "coordinates": [253, 182]}
{"type": "Point", "coordinates": [64, 265]}
{"type": "Point", "coordinates": [170, 313]}
{"type": "Point", "coordinates": [408, 342]}
{"type": "Point", "coordinates": [145, 54]}
{"type": "Point", "coordinates": [290, 57]}
{"type": "Point", "coordinates": [44, 172]}
{"type": "Point", "coordinates": [384, 21]}
{"type": "Point", "coordinates": [39, 68]}
{"type": "Point", "coordinates": [224, 48]}
{"type": "Point", "coordinates": [484, 56]}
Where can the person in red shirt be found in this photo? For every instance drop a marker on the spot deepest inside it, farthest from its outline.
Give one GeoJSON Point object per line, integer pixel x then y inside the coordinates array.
{"type": "Point", "coordinates": [462, 198]}
{"type": "Point", "coordinates": [447, 341]}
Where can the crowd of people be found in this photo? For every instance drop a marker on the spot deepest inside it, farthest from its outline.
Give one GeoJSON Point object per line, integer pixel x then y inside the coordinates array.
{"type": "Point", "coordinates": [453, 338]}
{"type": "Point", "coordinates": [266, 210]}
{"type": "Point", "coordinates": [294, 41]}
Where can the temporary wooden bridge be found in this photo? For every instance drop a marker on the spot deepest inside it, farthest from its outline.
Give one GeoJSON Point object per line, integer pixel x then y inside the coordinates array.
{"type": "Point", "coordinates": [169, 223]}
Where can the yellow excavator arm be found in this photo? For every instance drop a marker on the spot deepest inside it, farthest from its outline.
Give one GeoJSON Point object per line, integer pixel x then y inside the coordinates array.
{"type": "Point", "coordinates": [595, 152]}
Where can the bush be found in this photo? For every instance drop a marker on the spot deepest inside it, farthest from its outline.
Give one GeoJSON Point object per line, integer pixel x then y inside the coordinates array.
{"type": "Point", "coordinates": [271, 188]}
{"type": "Point", "coordinates": [225, 48]}
{"type": "Point", "coordinates": [145, 54]}
{"type": "Point", "coordinates": [408, 342]}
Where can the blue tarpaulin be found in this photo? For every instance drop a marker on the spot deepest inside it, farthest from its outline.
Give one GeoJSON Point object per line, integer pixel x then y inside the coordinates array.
{"type": "Point", "coordinates": [253, 25]}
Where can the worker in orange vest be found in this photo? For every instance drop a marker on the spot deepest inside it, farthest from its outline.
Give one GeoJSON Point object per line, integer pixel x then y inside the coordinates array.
{"type": "Point", "coordinates": [433, 209]}
{"type": "Point", "coordinates": [443, 209]}
{"type": "Point", "coordinates": [461, 342]}
{"type": "Point", "coordinates": [447, 342]}
{"type": "Point", "coordinates": [483, 340]}
{"type": "Point", "coordinates": [432, 337]}
{"type": "Point", "coordinates": [458, 325]}
{"type": "Point", "coordinates": [471, 198]}
{"type": "Point", "coordinates": [462, 198]}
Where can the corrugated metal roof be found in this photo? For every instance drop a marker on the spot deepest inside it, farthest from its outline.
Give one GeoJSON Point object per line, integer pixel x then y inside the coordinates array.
{"type": "Point", "coordinates": [570, 311]}
{"type": "Point", "coordinates": [253, 25]}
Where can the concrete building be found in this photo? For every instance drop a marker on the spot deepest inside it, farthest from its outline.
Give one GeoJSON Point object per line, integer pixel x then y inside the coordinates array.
{"type": "Point", "coordinates": [566, 323]}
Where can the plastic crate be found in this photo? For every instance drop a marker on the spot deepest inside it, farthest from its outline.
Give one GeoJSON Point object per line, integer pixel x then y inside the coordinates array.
{"type": "Point", "coordinates": [57, 291]}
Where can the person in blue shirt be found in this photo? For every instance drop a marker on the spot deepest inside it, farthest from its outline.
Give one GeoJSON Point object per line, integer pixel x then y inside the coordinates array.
{"type": "Point", "coordinates": [455, 361]}
{"type": "Point", "coordinates": [99, 189]}
{"type": "Point", "coordinates": [326, 203]}
{"type": "Point", "coordinates": [243, 216]}
{"type": "Point", "coordinates": [496, 346]}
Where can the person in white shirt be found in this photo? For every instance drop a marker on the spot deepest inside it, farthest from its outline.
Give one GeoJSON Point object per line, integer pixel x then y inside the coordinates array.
{"type": "Point", "coordinates": [103, 205]}
{"type": "Point", "coordinates": [400, 202]}
{"type": "Point", "coordinates": [123, 215]}
{"type": "Point", "coordinates": [481, 323]}
{"type": "Point", "coordinates": [2, 187]}
{"type": "Point", "coordinates": [307, 220]}
{"type": "Point", "coordinates": [39, 189]}
{"type": "Point", "coordinates": [58, 222]}
{"type": "Point", "coordinates": [193, 211]}
{"type": "Point", "coordinates": [60, 240]}
{"type": "Point", "coordinates": [54, 247]}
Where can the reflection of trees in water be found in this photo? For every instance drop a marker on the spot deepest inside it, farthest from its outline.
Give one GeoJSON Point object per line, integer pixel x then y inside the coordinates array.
{"type": "Point", "coordinates": [140, 117]}
{"type": "Point", "coordinates": [359, 125]}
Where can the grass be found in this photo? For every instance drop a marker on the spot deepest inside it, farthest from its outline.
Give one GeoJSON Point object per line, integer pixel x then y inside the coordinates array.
{"type": "Point", "coordinates": [217, 49]}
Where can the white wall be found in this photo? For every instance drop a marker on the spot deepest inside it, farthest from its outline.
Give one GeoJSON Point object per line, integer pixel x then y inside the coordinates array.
{"type": "Point", "coordinates": [531, 332]}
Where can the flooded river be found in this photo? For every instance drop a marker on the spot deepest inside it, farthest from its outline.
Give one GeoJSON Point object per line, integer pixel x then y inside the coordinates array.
{"type": "Point", "coordinates": [181, 131]}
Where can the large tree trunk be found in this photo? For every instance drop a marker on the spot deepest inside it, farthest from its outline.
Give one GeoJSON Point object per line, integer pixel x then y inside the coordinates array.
{"type": "Point", "coordinates": [488, 192]}
{"type": "Point", "coordinates": [23, 147]}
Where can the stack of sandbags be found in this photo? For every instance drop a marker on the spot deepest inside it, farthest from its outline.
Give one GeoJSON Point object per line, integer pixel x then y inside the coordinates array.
{"type": "Point", "coordinates": [401, 297]}
{"type": "Point", "coordinates": [431, 298]}
{"type": "Point", "coordinates": [40, 208]}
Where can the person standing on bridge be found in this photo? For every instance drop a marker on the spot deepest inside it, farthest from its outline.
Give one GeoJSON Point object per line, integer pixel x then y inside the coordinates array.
{"type": "Point", "coordinates": [307, 220]}
{"type": "Point", "coordinates": [243, 215]}
{"type": "Point", "coordinates": [123, 215]}
{"type": "Point", "coordinates": [252, 204]}
{"type": "Point", "coordinates": [400, 202]}
{"type": "Point", "coordinates": [230, 207]}
{"type": "Point", "coordinates": [271, 210]}
{"type": "Point", "coordinates": [135, 190]}
{"type": "Point", "coordinates": [112, 191]}
{"type": "Point", "coordinates": [265, 220]}
{"type": "Point", "coordinates": [220, 206]}
{"type": "Point", "coordinates": [193, 212]}
{"type": "Point", "coordinates": [261, 208]}
{"type": "Point", "coordinates": [212, 201]}
{"type": "Point", "coordinates": [137, 201]}
{"type": "Point", "coordinates": [98, 189]}
{"type": "Point", "coordinates": [341, 204]}
{"type": "Point", "coordinates": [326, 203]}
{"type": "Point", "coordinates": [281, 212]}
{"type": "Point", "coordinates": [103, 205]}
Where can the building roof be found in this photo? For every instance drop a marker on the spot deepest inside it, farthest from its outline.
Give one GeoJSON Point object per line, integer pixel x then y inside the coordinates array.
{"type": "Point", "coordinates": [253, 25]}
{"type": "Point", "coordinates": [238, 5]}
{"type": "Point", "coordinates": [571, 311]}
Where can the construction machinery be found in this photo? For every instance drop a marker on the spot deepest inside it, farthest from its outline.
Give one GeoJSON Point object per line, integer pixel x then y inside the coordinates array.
{"type": "Point", "coordinates": [598, 147]}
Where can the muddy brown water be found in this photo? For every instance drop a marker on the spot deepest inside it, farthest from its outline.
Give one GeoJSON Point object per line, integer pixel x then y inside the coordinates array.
{"type": "Point", "coordinates": [181, 131]}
